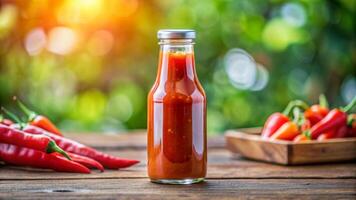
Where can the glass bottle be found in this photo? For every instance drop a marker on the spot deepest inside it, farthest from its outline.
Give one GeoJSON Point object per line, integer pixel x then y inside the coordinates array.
{"type": "Point", "coordinates": [176, 124]}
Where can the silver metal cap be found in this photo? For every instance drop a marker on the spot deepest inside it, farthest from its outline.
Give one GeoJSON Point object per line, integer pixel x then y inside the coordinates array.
{"type": "Point", "coordinates": [176, 34]}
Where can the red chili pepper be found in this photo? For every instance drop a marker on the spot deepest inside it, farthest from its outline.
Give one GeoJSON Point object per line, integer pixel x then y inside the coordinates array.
{"type": "Point", "coordinates": [341, 132]}
{"type": "Point", "coordinates": [333, 120]}
{"type": "Point", "coordinates": [315, 113]}
{"type": "Point", "coordinates": [69, 145]}
{"type": "Point", "coordinates": [22, 156]}
{"type": "Point", "coordinates": [325, 136]}
{"type": "Point", "coordinates": [306, 125]}
{"type": "Point", "coordinates": [88, 162]}
{"type": "Point", "coordinates": [351, 129]}
{"type": "Point", "coordinates": [288, 131]}
{"type": "Point", "coordinates": [292, 129]}
{"type": "Point", "coordinates": [276, 120]}
{"type": "Point", "coordinates": [4, 121]}
{"type": "Point", "coordinates": [38, 142]}
{"type": "Point", "coordinates": [273, 123]}
{"type": "Point", "coordinates": [39, 120]}
{"type": "Point", "coordinates": [301, 138]}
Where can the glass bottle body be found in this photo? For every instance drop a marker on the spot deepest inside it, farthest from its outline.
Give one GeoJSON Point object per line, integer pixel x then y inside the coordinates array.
{"type": "Point", "coordinates": [177, 149]}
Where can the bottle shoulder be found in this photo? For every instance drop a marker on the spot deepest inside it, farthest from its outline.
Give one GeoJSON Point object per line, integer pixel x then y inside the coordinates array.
{"type": "Point", "coordinates": [194, 93]}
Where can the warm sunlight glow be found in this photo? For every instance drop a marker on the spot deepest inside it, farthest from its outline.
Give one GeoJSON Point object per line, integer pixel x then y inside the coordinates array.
{"type": "Point", "coordinates": [126, 8]}
{"type": "Point", "coordinates": [79, 11]}
{"type": "Point", "coordinates": [101, 42]}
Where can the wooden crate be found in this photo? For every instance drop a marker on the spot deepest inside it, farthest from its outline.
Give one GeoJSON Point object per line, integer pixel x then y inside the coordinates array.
{"type": "Point", "coordinates": [249, 144]}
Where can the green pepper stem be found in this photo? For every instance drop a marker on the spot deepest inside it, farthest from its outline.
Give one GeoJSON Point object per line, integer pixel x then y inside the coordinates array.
{"type": "Point", "coordinates": [307, 134]}
{"type": "Point", "coordinates": [53, 147]}
{"type": "Point", "coordinates": [300, 120]}
{"type": "Point", "coordinates": [289, 108]}
{"type": "Point", "coordinates": [349, 106]}
{"type": "Point", "coordinates": [29, 113]}
{"type": "Point", "coordinates": [323, 102]}
{"type": "Point", "coordinates": [13, 117]}
{"type": "Point", "coordinates": [298, 117]}
{"type": "Point", "coordinates": [350, 120]}
{"type": "Point", "coordinates": [296, 103]}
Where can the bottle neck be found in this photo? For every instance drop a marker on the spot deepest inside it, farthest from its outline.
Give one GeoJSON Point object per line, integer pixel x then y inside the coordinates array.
{"type": "Point", "coordinates": [176, 61]}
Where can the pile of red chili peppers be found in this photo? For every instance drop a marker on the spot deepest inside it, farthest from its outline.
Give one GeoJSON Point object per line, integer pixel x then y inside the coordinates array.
{"type": "Point", "coordinates": [38, 143]}
{"type": "Point", "coordinates": [301, 123]}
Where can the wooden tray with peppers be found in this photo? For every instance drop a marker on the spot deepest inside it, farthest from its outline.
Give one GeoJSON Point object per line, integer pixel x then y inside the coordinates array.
{"type": "Point", "coordinates": [302, 134]}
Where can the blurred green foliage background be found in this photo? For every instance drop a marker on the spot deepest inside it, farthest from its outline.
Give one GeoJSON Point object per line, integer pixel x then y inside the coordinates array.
{"type": "Point", "coordinates": [89, 64]}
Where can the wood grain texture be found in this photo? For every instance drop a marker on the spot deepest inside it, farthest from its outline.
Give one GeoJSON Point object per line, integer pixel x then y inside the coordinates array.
{"type": "Point", "coordinates": [221, 164]}
{"type": "Point", "coordinates": [212, 189]}
{"type": "Point", "coordinates": [251, 145]}
{"type": "Point", "coordinates": [229, 177]}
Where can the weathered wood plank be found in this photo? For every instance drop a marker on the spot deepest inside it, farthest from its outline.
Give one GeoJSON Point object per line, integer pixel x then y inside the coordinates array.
{"type": "Point", "coordinates": [212, 189]}
{"type": "Point", "coordinates": [229, 177]}
{"type": "Point", "coordinates": [222, 164]}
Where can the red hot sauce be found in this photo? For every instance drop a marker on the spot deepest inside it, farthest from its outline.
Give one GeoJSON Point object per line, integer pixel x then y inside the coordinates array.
{"type": "Point", "coordinates": [177, 150]}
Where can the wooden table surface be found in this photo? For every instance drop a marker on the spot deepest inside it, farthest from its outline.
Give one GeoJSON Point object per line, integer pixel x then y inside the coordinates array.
{"type": "Point", "coordinates": [229, 177]}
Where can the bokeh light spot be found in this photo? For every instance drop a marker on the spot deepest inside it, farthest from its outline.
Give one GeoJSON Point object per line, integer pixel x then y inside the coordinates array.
{"type": "Point", "coordinates": [62, 40]}
{"type": "Point", "coordinates": [8, 15]}
{"type": "Point", "coordinates": [243, 72]}
{"type": "Point", "coordinates": [278, 34]}
{"type": "Point", "coordinates": [294, 14]}
{"type": "Point", "coordinates": [348, 89]}
{"type": "Point", "coordinates": [240, 68]}
{"type": "Point", "coordinates": [35, 41]}
{"type": "Point", "coordinates": [261, 80]}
